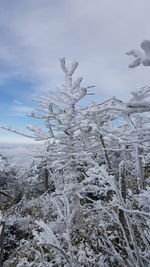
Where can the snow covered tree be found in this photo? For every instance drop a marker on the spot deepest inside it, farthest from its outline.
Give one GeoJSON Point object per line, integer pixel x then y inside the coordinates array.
{"type": "Point", "coordinates": [58, 117]}
{"type": "Point", "coordinates": [9, 189]}
{"type": "Point", "coordinates": [85, 199]}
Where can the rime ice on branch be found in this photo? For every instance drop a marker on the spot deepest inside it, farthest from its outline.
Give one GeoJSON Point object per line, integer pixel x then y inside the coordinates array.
{"type": "Point", "coordinates": [139, 103]}
{"type": "Point", "coordinates": [57, 117]}
{"type": "Point", "coordinates": [140, 57]}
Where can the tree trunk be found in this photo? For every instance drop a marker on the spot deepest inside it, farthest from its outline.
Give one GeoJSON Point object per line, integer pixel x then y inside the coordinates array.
{"type": "Point", "coordinates": [107, 160]}
{"type": "Point", "coordinates": [123, 191]}
{"type": "Point", "coordinates": [46, 176]}
{"type": "Point", "coordinates": [139, 169]}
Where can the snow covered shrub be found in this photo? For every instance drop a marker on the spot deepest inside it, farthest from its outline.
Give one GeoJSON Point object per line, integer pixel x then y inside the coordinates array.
{"type": "Point", "coordinates": [9, 187]}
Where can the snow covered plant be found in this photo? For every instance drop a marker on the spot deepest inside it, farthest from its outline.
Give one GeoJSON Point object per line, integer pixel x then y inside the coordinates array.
{"type": "Point", "coordinates": [8, 184]}
{"type": "Point", "coordinates": [58, 111]}
{"type": "Point", "coordinates": [86, 195]}
{"type": "Point", "coordinates": [111, 229]}
{"type": "Point", "coordinates": [3, 163]}
{"type": "Point", "coordinates": [141, 58]}
{"type": "Point", "coordinates": [66, 238]}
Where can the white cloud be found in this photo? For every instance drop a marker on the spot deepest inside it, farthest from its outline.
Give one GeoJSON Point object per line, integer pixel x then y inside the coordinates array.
{"type": "Point", "coordinates": [97, 33]}
{"type": "Point", "coordinates": [19, 109]}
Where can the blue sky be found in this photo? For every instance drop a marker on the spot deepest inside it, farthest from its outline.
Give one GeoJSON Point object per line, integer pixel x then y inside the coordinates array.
{"type": "Point", "coordinates": [35, 33]}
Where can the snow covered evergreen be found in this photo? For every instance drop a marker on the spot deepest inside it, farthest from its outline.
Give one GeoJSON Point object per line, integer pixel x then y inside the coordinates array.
{"type": "Point", "coordinates": [84, 200]}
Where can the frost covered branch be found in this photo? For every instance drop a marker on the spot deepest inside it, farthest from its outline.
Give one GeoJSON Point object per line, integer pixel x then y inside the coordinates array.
{"type": "Point", "coordinates": [141, 57]}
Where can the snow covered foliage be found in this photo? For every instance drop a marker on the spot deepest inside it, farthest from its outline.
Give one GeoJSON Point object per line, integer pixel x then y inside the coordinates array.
{"type": "Point", "coordinates": [9, 188]}
{"type": "Point", "coordinates": [84, 200]}
{"type": "Point", "coordinates": [3, 163]}
{"type": "Point", "coordinates": [141, 57]}
{"type": "Point", "coordinates": [58, 117]}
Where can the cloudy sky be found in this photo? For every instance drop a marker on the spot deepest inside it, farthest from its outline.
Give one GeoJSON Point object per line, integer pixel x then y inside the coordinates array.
{"type": "Point", "coordinates": [35, 33]}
